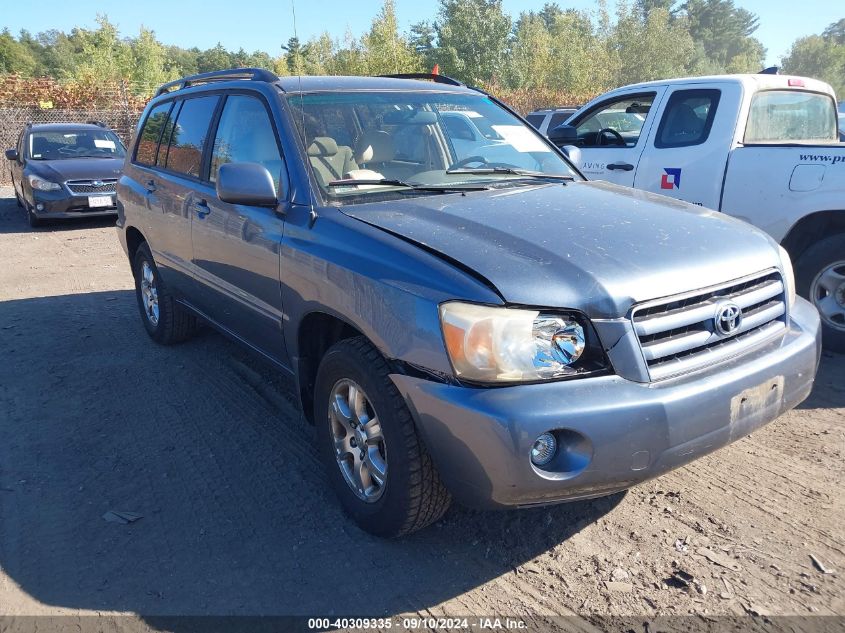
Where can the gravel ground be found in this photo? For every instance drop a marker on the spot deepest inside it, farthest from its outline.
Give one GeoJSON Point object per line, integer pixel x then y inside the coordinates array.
{"type": "Point", "coordinates": [208, 446]}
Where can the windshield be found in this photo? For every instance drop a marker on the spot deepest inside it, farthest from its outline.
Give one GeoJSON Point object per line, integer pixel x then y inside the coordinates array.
{"type": "Point", "coordinates": [418, 142]}
{"type": "Point", "coordinates": [82, 143]}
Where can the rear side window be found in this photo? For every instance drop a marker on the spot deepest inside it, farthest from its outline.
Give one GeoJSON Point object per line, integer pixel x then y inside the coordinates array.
{"type": "Point", "coordinates": [784, 116]}
{"type": "Point", "coordinates": [688, 118]}
{"type": "Point", "coordinates": [245, 135]}
{"type": "Point", "coordinates": [536, 120]}
{"type": "Point", "coordinates": [187, 140]}
{"type": "Point", "coordinates": [148, 139]}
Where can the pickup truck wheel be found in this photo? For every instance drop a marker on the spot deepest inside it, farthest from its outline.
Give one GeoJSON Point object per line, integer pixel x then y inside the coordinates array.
{"type": "Point", "coordinates": [820, 277]}
{"type": "Point", "coordinates": [164, 319]}
{"type": "Point", "coordinates": [376, 462]}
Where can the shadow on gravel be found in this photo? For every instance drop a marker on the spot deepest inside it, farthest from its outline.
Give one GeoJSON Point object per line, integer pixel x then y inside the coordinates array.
{"type": "Point", "coordinates": [203, 442]}
{"type": "Point", "coordinates": [829, 389]}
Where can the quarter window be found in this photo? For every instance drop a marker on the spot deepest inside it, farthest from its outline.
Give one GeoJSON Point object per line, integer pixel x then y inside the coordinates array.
{"type": "Point", "coordinates": [688, 118]}
{"type": "Point", "coordinates": [148, 140]}
{"type": "Point", "coordinates": [184, 152]}
{"type": "Point", "coordinates": [245, 135]}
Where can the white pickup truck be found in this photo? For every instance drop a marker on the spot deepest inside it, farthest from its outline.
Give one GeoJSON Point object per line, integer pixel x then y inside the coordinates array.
{"type": "Point", "coordinates": [763, 148]}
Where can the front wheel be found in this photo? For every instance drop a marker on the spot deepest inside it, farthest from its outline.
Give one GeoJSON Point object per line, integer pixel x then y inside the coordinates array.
{"type": "Point", "coordinates": [34, 221]}
{"type": "Point", "coordinates": [820, 277]}
{"type": "Point", "coordinates": [376, 462]}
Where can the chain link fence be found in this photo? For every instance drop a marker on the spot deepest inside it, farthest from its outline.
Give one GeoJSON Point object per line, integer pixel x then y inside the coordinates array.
{"type": "Point", "coordinates": [14, 118]}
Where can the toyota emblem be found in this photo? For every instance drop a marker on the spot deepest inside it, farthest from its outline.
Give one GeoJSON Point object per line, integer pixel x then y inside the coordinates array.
{"type": "Point", "coordinates": [728, 318]}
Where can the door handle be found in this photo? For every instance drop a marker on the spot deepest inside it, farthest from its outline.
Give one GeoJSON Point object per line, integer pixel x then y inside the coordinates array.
{"type": "Point", "coordinates": [622, 166]}
{"type": "Point", "coordinates": [202, 209]}
{"type": "Point", "coordinates": [151, 186]}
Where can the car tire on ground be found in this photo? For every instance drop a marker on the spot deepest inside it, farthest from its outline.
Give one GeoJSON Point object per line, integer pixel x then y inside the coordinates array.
{"type": "Point", "coordinates": [820, 278]}
{"type": "Point", "coordinates": [376, 462]}
{"type": "Point", "coordinates": [18, 199]}
{"type": "Point", "coordinates": [34, 221]}
{"type": "Point", "coordinates": [165, 320]}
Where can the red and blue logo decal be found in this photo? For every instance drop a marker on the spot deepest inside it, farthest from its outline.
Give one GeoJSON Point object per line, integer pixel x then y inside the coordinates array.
{"type": "Point", "coordinates": [671, 179]}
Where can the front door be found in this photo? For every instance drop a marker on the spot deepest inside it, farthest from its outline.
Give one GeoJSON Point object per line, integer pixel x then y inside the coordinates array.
{"type": "Point", "coordinates": [612, 135]}
{"type": "Point", "coordinates": [236, 247]}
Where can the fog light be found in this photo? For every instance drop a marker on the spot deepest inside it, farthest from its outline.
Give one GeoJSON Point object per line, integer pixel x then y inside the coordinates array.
{"type": "Point", "coordinates": [545, 447]}
{"type": "Point", "coordinates": [39, 207]}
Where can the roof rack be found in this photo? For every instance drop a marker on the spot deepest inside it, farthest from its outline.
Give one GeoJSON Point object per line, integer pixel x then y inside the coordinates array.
{"type": "Point", "coordinates": [771, 70]}
{"type": "Point", "coordinates": [97, 123]}
{"type": "Point", "coordinates": [252, 74]}
{"type": "Point", "coordinates": [438, 79]}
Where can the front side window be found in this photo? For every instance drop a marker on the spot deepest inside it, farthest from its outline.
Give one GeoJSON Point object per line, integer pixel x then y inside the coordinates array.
{"type": "Point", "coordinates": [615, 124]}
{"type": "Point", "coordinates": [151, 133]}
{"type": "Point", "coordinates": [418, 139]}
{"type": "Point", "coordinates": [790, 116]}
{"type": "Point", "coordinates": [688, 118]}
{"type": "Point", "coordinates": [187, 140]}
{"type": "Point", "coordinates": [70, 143]}
{"type": "Point", "coordinates": [245, 135]}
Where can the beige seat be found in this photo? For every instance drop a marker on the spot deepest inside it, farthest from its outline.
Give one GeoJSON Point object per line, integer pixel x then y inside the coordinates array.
{"type": "Point", "coordinates": [329, 160]}
{"type": "Point", "coordinates": [375, 150]}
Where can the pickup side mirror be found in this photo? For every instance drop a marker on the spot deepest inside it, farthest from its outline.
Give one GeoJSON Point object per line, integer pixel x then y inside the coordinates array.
{"type": "Point", "coordinates": [246, 183]}
{"type": "Point", "coordinates": [12, 154]}
{"type": "Point", "coordinates": [563, 135]}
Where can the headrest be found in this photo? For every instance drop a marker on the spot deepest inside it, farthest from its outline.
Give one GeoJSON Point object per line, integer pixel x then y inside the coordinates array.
{"type": "Point", "coordinates": [323, 146]}
{"type": "Point", "coordinates": [374, 146]}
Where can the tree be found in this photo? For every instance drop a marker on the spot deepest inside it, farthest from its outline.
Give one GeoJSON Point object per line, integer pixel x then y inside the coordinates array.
{"type": "Point", "coordinates": [104, 56]}
{"type": "Point", "coordinates": [724, 32]}
{"type": "Point", "coordinates": [148, 62]}
{"type": "Point", "coordinates": [422, 37]}
{"type": "Point", "coordinates": [217, 58]}
{"type": "Point", "coordinates": [385, 50]}
{"type": "Point", "coordinates": [820, 56]}
{"type": "Point", "coordinates": [472, 39]}
{"type": "Point", "coordinates": [14, 56]}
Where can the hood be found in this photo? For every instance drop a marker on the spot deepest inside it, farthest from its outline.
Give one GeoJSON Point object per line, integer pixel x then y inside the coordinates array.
{"type": "Point", "coordinates": [76, 168]}
{"type": "Point", "coordinates": [590, 246]}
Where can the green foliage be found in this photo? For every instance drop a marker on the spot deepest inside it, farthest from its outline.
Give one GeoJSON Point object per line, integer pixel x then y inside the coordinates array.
{"type": "Point", "coordinates": [472, 39]}
{"type": "Point", "coordinates": [820, 56]}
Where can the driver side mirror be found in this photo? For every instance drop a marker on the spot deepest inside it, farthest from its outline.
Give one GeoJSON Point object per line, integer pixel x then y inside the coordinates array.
{"type": "Point", "coordinates": [12, 154]}
{"type": "Point", "coordinates": [563, 135]}
{"type": "Point", "coordinates": [246, 183]}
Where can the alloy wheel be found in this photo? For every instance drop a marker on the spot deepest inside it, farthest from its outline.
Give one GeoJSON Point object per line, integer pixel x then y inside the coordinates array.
{"type": "Point", "coordinates": [828, 294]}
{"type": "Point", "coordinates": [149, 293]}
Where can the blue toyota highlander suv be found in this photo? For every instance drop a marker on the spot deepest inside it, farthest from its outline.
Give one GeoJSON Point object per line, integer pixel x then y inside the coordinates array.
{"type": "Point", "coordinates": [481, 324]}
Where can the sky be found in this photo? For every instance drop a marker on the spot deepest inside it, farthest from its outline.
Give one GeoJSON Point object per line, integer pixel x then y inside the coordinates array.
{"type": "Point", "coordinates": [265, 24]}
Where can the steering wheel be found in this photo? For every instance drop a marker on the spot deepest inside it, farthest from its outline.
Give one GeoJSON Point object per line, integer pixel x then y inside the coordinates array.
{"type": "Point", "coordinates": [468, 160]}
{"type": "Point", "coordinates": [600, 136]}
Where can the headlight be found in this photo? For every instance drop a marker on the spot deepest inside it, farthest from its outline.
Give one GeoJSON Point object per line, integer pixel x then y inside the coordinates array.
{"type": "Point", "coordinates": [788, 276]}
{"type": "Point", "coordinates": [490, 344]}
{"type": "Point", "coordinates": [43, 185]}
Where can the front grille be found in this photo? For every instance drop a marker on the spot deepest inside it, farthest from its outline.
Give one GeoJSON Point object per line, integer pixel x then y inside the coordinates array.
{"type": "Point", "coordinates": [680, 334]}
{"type": "Point", "coordinates": [105, 186]}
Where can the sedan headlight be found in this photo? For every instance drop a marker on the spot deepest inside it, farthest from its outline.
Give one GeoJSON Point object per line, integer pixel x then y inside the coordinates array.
{"type": "Point", "coordinates": [788, 276]}
{"type": "Point", "coordinates": [493, 344]}
{"type": "Point", "coordinates": [43, 185]}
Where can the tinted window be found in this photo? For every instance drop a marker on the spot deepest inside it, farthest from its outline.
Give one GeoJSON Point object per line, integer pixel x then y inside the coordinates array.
{"type": "Point", "coordinates": [779, 116]}
{"type": "Point", "coordinates": [184, 154]}
{"type": "Point", "coordinates": [245, 135]}
{"type": "Point", "coordinates": [688, 118]}
{"type": "Point", "coordinates": [535, 119]}
{"type": "Point", "coordinates": [458, 128]}
{"type": "Point", "coordinates": [616, 123]}
{"type": "Point", "coordinates": [148, 140]}
{"type": "Point", "coordinates": [558, 118]}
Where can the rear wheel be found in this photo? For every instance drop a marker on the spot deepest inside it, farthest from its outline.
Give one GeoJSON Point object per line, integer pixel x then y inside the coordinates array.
{"type": "Point", "coordinates": [376, 462]}
{"type": "Point", "coordinates": [820, 277]}
{"type": "Point", "coordinates": [165, 320]}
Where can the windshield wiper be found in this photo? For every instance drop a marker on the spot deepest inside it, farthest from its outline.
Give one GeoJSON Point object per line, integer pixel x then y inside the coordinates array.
{"type": "Point", "coordinates": [389, 182]}
{"type": "Point", "coordinates": [511, 171]}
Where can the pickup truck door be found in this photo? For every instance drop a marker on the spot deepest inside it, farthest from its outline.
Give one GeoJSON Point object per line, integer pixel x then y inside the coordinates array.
{"type": "Point", "coordinates": [687, 149]}
{"type": "Point", "coordinates": [236, 247]}
{"type": "Point", "coordinates": [612, 134]}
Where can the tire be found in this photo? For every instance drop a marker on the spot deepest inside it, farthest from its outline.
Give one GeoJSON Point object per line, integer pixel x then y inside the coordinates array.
{"type": "Point", "coordinates": [412, 495]}
{"type": "Point", "coordinates": [165, 320]}
{"type": "Point", "coordinates": [18, 199]}
{"type": "Point", "coordinates": [823, 261]}
{"type": "Point", "coordinates": [34, 221]}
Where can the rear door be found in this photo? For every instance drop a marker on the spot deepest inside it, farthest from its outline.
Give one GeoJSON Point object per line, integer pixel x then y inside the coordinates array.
{"type": "Point", "coordinates": [688, 148]}
{"type": "Point", "coordinates": [612, 134]}
{"type": "Point", "coordinates": [236, 247]}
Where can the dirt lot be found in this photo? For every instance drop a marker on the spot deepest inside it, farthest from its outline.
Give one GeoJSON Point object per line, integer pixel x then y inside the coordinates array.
{"type": "Point", "coordinates": [206, 444]}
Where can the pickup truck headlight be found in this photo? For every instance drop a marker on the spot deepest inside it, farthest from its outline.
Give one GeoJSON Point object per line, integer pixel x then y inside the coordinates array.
{"type": "Point", "coordinates": [788, 276]}
{"type": "Point", "coordinates": [43, 185]}
{"type": "Point", "coordinates": [506, 345]}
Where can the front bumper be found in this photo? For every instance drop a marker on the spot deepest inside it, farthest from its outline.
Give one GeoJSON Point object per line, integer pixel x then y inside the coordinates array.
{"type": "Point", "coordinates": [614, 432]}
{"type": "Point", "coordinates": [62, 205]}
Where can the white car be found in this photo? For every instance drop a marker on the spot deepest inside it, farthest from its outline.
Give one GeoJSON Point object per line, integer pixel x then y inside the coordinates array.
{"type": "Point", "coordinates": [763, 148]}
